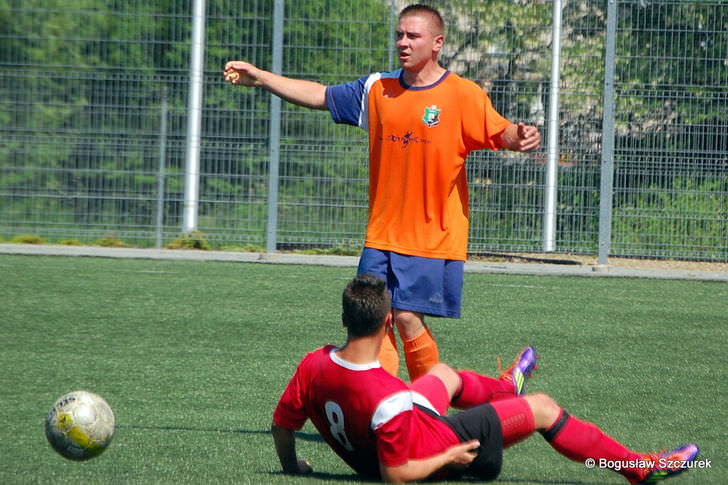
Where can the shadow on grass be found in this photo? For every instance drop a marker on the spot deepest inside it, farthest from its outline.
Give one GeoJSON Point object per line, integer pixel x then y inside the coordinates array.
{"type": "Point", "coordinates": [327, 477]}
{"type": "Point", "coordinates": [299, 434]}
{"type": "Point", "coordinates": [315, 437]}
{"type": "Point", "coordinates": [356, 478]}
{"type": "Point", "coordinates": [505, 480]}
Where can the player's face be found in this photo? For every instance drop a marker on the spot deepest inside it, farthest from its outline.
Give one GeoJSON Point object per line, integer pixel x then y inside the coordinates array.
{"type": "Point", "coordinates": [417, 45]}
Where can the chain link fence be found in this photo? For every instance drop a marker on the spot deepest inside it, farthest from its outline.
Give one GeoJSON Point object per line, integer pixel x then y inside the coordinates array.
{"type": "Point", "coordinates": [93, 119]}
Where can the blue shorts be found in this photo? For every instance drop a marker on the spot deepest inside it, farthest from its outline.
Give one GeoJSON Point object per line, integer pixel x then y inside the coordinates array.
{"type": "Point", "coordinates": [423, 285]}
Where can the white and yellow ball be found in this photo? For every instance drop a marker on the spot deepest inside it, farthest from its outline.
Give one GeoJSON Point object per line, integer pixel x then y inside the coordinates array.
{"type": "Point", "coordinates": [80, 425]}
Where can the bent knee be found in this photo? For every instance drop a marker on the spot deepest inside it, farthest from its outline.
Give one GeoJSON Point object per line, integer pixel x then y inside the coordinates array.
{"type": "Point", "coordinates": [447, 375]}
{"type": "Point", "coordinates": [408, 322]}
{"type": "Point", "coordinates": [544, 408]}
{"type": "Point", "coordinates": [443, 371]}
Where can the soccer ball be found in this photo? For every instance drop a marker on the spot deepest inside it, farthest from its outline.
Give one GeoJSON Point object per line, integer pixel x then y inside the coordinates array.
{"type": "Point", "coordinates": [80, 425]}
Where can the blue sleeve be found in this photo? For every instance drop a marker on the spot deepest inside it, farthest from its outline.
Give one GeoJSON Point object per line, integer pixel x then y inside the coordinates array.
{"type": "Point", "coordinates": [348, 102]}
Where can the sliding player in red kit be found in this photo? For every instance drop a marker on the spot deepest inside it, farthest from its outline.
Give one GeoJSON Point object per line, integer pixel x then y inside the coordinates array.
{"type": "Point", "coordinates": [385, 429]}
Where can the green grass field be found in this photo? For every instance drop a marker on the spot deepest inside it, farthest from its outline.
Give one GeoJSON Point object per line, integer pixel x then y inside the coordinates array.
{"type": "Point", "coordinates": [193, 356]}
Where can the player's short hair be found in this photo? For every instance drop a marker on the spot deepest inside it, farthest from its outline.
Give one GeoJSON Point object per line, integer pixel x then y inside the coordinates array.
{"type": "Point", "coordinates": [425, 10]}
{"type": "Point", "coordinates": [365, 304]}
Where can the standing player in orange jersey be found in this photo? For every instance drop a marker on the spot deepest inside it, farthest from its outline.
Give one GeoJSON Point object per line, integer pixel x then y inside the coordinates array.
{"type": "Point", "coordinates": [423, 121]}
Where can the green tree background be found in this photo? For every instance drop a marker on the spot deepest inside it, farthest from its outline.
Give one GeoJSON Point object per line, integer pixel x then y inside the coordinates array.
{"type": "Point", "coordinates": [83, 82]}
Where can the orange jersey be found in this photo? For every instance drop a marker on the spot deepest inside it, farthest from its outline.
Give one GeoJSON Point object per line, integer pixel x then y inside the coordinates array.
{"type": "Point", "coordinates": [418, 141]}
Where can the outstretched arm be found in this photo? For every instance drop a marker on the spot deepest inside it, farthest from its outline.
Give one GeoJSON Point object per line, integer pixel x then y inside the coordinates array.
{"type": "Point", "coordinates": [521, 137]}
{"type": "Point", "coordinates": [297, 91]}
{"type": "Point", "coordinates": [285, 442]}
{"type": "Point", "coordinates": [459, 455]}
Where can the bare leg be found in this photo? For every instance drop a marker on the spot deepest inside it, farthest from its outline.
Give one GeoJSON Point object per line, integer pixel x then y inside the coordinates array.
{"type": "Point", "coordinates": [420, 348]}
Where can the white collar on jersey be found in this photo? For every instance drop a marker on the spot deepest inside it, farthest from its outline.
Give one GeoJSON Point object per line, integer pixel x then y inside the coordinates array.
{"type": "Point", "coordinates": [350, 365]}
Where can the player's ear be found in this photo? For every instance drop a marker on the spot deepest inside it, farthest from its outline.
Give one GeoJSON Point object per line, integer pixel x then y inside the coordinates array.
{"type": "Point", "coordinates": [438, 42]}
{"type": "Point", "coordinates": [389, 322]}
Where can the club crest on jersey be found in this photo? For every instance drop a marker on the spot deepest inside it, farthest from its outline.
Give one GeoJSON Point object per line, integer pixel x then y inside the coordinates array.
{"type": "Point", "coordinates": [432, 116]}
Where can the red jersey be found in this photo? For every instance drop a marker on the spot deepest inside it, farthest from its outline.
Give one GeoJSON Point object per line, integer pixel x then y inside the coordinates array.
{"type": "Point", "coordinates": [419, 138]}
{"type": "Point", "coordinates": [365, 414]}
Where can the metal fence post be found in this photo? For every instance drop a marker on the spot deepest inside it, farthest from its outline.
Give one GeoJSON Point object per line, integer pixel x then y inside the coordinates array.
{"type": "Point", "coordinates": [549, 216]}
{"type": "Point", "coordinates": [275, 131]}
{"type": "Point", "coordinates": [607, 172]}
{"type": "Point", "coordinates": [194, 119]}
{"type": "Point", "coordinates": [162, 161]}
{"type": "Point", "coordinates": [392, 26]}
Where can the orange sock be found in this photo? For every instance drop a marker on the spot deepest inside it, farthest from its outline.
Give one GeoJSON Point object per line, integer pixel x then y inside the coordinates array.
{"type": "Point", "coordinates": [420, 354]}
{"type": "Point", "coordinates": [388, 356]}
